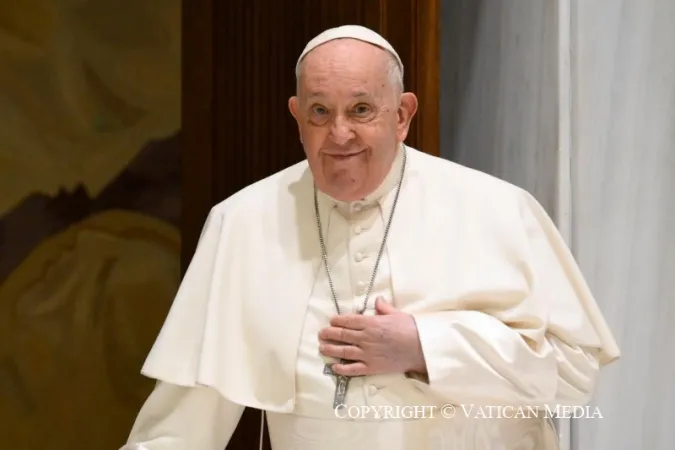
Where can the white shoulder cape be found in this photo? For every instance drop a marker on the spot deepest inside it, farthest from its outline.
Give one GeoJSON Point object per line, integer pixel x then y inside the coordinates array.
{"type": "Point", "coordinates": [236, 320]}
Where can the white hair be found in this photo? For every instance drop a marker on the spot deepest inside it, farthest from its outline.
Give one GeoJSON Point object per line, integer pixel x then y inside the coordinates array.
{"type": "Point", "coordinates": [394, 73]}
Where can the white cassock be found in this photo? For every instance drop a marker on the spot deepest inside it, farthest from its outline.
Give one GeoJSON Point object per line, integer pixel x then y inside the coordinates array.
{"type": "Point", "coordinates": [504, 317]}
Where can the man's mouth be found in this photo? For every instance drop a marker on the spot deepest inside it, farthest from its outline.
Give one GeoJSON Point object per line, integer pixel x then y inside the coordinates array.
{"type": "Point", "coordinates": [345, 156]}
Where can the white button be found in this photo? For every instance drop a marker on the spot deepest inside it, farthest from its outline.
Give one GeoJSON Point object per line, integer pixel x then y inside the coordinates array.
{"type": "Point", "coordinates": [359, 257]}
{"type": "Point", "coordinates": [358, 229]}
{"type": "Point", "coordinates": [358, 207]}
{"type": "Point", "coordinates": [361, 287]}
{"type": "Point", "coordinates": [372, 389]}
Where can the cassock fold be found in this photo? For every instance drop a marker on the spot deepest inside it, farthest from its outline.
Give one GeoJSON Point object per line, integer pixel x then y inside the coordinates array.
{"type": "Point", "coordinates": [546, 349]}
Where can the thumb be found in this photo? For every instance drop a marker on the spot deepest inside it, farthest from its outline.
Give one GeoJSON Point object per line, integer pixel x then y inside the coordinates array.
{"type": "Point", "coordinates": [383, 308]}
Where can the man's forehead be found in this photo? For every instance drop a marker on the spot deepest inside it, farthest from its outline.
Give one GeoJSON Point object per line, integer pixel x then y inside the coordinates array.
{"type": "Point", "coordinates": [345, 82]}
{"type": "Point", "coordinates": [327, 93]}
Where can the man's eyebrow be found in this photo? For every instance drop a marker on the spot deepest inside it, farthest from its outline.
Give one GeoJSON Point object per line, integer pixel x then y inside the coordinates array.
{"type": "Point", "coordinates": [320, 94]}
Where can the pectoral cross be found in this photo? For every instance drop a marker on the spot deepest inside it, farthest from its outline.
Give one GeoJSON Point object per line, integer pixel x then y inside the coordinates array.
{"type": "Point", "coordinates": [341, 386]}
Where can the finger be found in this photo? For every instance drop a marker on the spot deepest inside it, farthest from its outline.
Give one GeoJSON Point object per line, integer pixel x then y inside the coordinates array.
{"type": "Point", "coordinates": [350, 352]}
{"type": "Point", "coordinates": [384, 308]}
{"type": "Point", "coordinates": [356, 369]}
{"type": "Point", "coordinates": [345, 335]}
{"type": "Point", "coordinates": [352, 322]}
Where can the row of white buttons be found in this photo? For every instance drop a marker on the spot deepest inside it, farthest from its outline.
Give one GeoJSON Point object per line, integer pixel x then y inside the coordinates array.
{"type": "Point", "coordinates": [361, 286]}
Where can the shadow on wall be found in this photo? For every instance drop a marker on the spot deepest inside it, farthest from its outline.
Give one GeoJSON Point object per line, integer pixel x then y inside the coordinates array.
{"type": "Point", "coordinates": [89, 212]}
{"type": "Point", "coordinates": [460, 21]}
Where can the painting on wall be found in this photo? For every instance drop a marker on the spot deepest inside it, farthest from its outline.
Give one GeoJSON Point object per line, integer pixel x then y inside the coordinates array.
{"type": "Point", "coordinates": [90, 202]}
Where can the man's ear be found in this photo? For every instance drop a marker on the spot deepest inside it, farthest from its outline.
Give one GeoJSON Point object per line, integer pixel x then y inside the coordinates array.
{"type": "Point", "coordinates": [406, 111]}
{"type": "Point", "coordinates": [293, 107]}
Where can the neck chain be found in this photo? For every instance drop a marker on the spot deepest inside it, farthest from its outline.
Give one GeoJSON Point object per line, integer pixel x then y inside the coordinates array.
{"type": "Point", "coordinates": [324, 254]}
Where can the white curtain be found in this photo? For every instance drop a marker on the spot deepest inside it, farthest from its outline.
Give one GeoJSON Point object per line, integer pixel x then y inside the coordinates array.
{"type": "Point", "coordinates": [574, 100]}
{"type": "Point", "coordinates": [623, 168]}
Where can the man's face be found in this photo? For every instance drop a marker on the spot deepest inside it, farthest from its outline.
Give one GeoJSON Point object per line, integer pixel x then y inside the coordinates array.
{"type": "Point", "coordinates": [351, 117]}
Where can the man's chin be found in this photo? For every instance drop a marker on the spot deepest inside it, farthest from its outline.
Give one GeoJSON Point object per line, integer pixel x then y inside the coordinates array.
{"type": "Point", "coordinates": [346, 190]}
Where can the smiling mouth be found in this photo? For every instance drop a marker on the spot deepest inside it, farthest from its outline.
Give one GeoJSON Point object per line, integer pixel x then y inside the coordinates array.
{"type": "Point", "coordinates": [344, 156]}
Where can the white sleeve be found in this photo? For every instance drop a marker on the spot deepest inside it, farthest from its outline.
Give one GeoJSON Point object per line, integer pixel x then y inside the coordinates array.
{"type": "Point", "coordinates": [184, 418]}
{"type": "Point", "coordinates": [544, 346]}
{"type": "Point", "coordinates": [474, 358]}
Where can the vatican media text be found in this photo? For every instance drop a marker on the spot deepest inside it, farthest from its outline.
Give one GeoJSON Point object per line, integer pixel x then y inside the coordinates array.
{"type": "Point", "coordinates": [407, 412]}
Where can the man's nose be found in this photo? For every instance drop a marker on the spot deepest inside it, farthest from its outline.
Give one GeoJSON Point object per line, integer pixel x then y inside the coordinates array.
{"type": "Point", "coordinates": [341, 131]}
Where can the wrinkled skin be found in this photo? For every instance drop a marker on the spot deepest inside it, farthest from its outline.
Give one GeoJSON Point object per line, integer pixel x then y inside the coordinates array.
{"type": "Point", "coordinates": [351, 118]}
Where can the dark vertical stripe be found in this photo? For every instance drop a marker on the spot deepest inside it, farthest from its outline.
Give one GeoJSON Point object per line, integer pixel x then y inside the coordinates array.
{"type": "Point", "coordinates": [198, 133]}
{"type": "Point", "coordinates": [238, 73]}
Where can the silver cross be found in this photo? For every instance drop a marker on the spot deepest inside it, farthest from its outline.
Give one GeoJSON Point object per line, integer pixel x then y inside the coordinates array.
{"type": "Point", "coordinates": [340, 387]}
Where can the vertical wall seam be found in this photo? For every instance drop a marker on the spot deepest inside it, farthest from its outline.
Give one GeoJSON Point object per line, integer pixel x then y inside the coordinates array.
{"type": "Point", "coordinates": [563, 207]}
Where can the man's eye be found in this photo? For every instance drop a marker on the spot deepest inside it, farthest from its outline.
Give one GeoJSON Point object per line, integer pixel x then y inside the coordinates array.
{"type": "Point", "coordinates": [319, 110]}
{"type": "Point", "coordinates": [362, 109]}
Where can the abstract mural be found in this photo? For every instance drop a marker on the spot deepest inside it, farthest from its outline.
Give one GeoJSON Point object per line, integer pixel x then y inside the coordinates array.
{"type": "Point", "coordinates": [89, 211]}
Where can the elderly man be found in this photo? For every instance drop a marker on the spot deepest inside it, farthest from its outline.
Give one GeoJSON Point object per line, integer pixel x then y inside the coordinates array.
{"type": "Point", "coordinates": [353, 295]}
